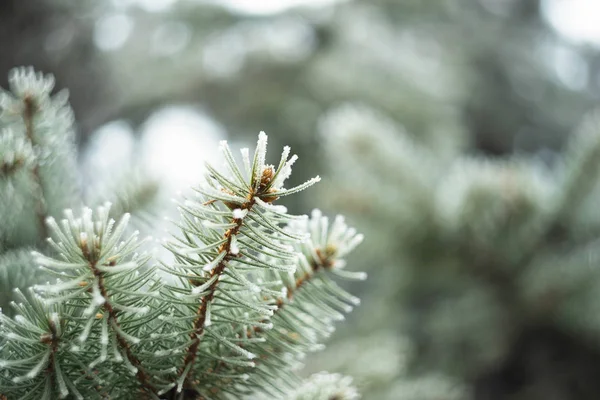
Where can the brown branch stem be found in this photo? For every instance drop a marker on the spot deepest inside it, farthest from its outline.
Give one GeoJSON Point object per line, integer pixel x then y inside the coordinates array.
{"type": "Point", "coordinates": [112, 315]}
{"type": "Point", "coordinates": [51, 339]}
{"type": "Point", "coordinates": [141, 374]}
{"type": "Point", "coordinates": [40, 207]}
{"type": "Point", "coordinates": [200, 321]}
{"type": "Point", "coordinates": [316, 266]}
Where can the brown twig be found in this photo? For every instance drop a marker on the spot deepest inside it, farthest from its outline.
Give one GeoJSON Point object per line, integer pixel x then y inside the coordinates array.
{"type": "Point", "coordinates": [324, 262]}
{"type": "Point", "coordinates": [29, 112]}
{"type": "Point", "coordinates": [51, 339]}
{"type": "Point", "coordinates": [263, 192]}
{"type": "Point", "coordinates": [141, 374]}
{"type": "Point", "coordinates": [200, 322]}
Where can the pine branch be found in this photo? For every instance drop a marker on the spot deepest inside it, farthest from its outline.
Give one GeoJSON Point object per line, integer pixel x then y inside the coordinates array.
{"type": "Point", "coordinates": [41, 126]}
{"type": "Point", "coordinates": [233, 229]}
{"type": "Point", "coordinates": [28, 114]}
{"type": "Point", "coordinates": [208, 332]}
{"type": "Point", "coordinates": [141, 375]}
{"type": "Point", "coordinates": [303, 317]}
{"type": "Point", "coordinates": [325, 260]}
{"type": "Point", "coordinates": [51, 339]}
{"type": "Point", "coordinates": [200, 322]}
{"type": "Point", "coordinates": [30, 343]}
{"type": "Point", "coordinates": [103, 279]}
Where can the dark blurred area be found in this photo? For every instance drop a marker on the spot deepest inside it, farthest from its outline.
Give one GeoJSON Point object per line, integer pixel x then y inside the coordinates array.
{"type": "Point", "coordinates": [486, 77]}
{"type": "Point", "coordinates": [57, 37]}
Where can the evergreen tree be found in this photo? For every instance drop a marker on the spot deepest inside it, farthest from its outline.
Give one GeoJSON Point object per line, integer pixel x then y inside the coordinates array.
{"type": "Point", "coordinates": [248, 292]}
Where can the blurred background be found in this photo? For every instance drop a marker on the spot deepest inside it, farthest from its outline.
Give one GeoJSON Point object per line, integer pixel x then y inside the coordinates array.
{"type": "Point", "coordinates": [377, 97]}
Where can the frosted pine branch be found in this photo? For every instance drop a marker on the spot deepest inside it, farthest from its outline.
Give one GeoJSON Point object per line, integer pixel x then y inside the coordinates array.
{"type": "Point", "coordinates": [248, 293]}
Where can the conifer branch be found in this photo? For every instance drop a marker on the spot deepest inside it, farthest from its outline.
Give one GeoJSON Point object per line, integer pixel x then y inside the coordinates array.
{"type": "Point", "coordinates": [192, 335]}
{"type": "Point", "coordinates": [233, 230]}
{"type": "Point", "coordinates": [305, 314]}
{"type": "Point", "coordinates": [103, 278]}
{"type": "Point", "coordinates": [51, 339]}
{"type": "Point", "coordinates": [28, 114]}
{"type": "Point", "coordinates": [38, 133]}
{"type": "Point", "coordinates": [200, 322]}
{"type": "Point", "coordinates": [316, 266]}
{"type": "Point", "coordinates": [322, 262]}
{"type": "Point", "coordinates": [140, 374]}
